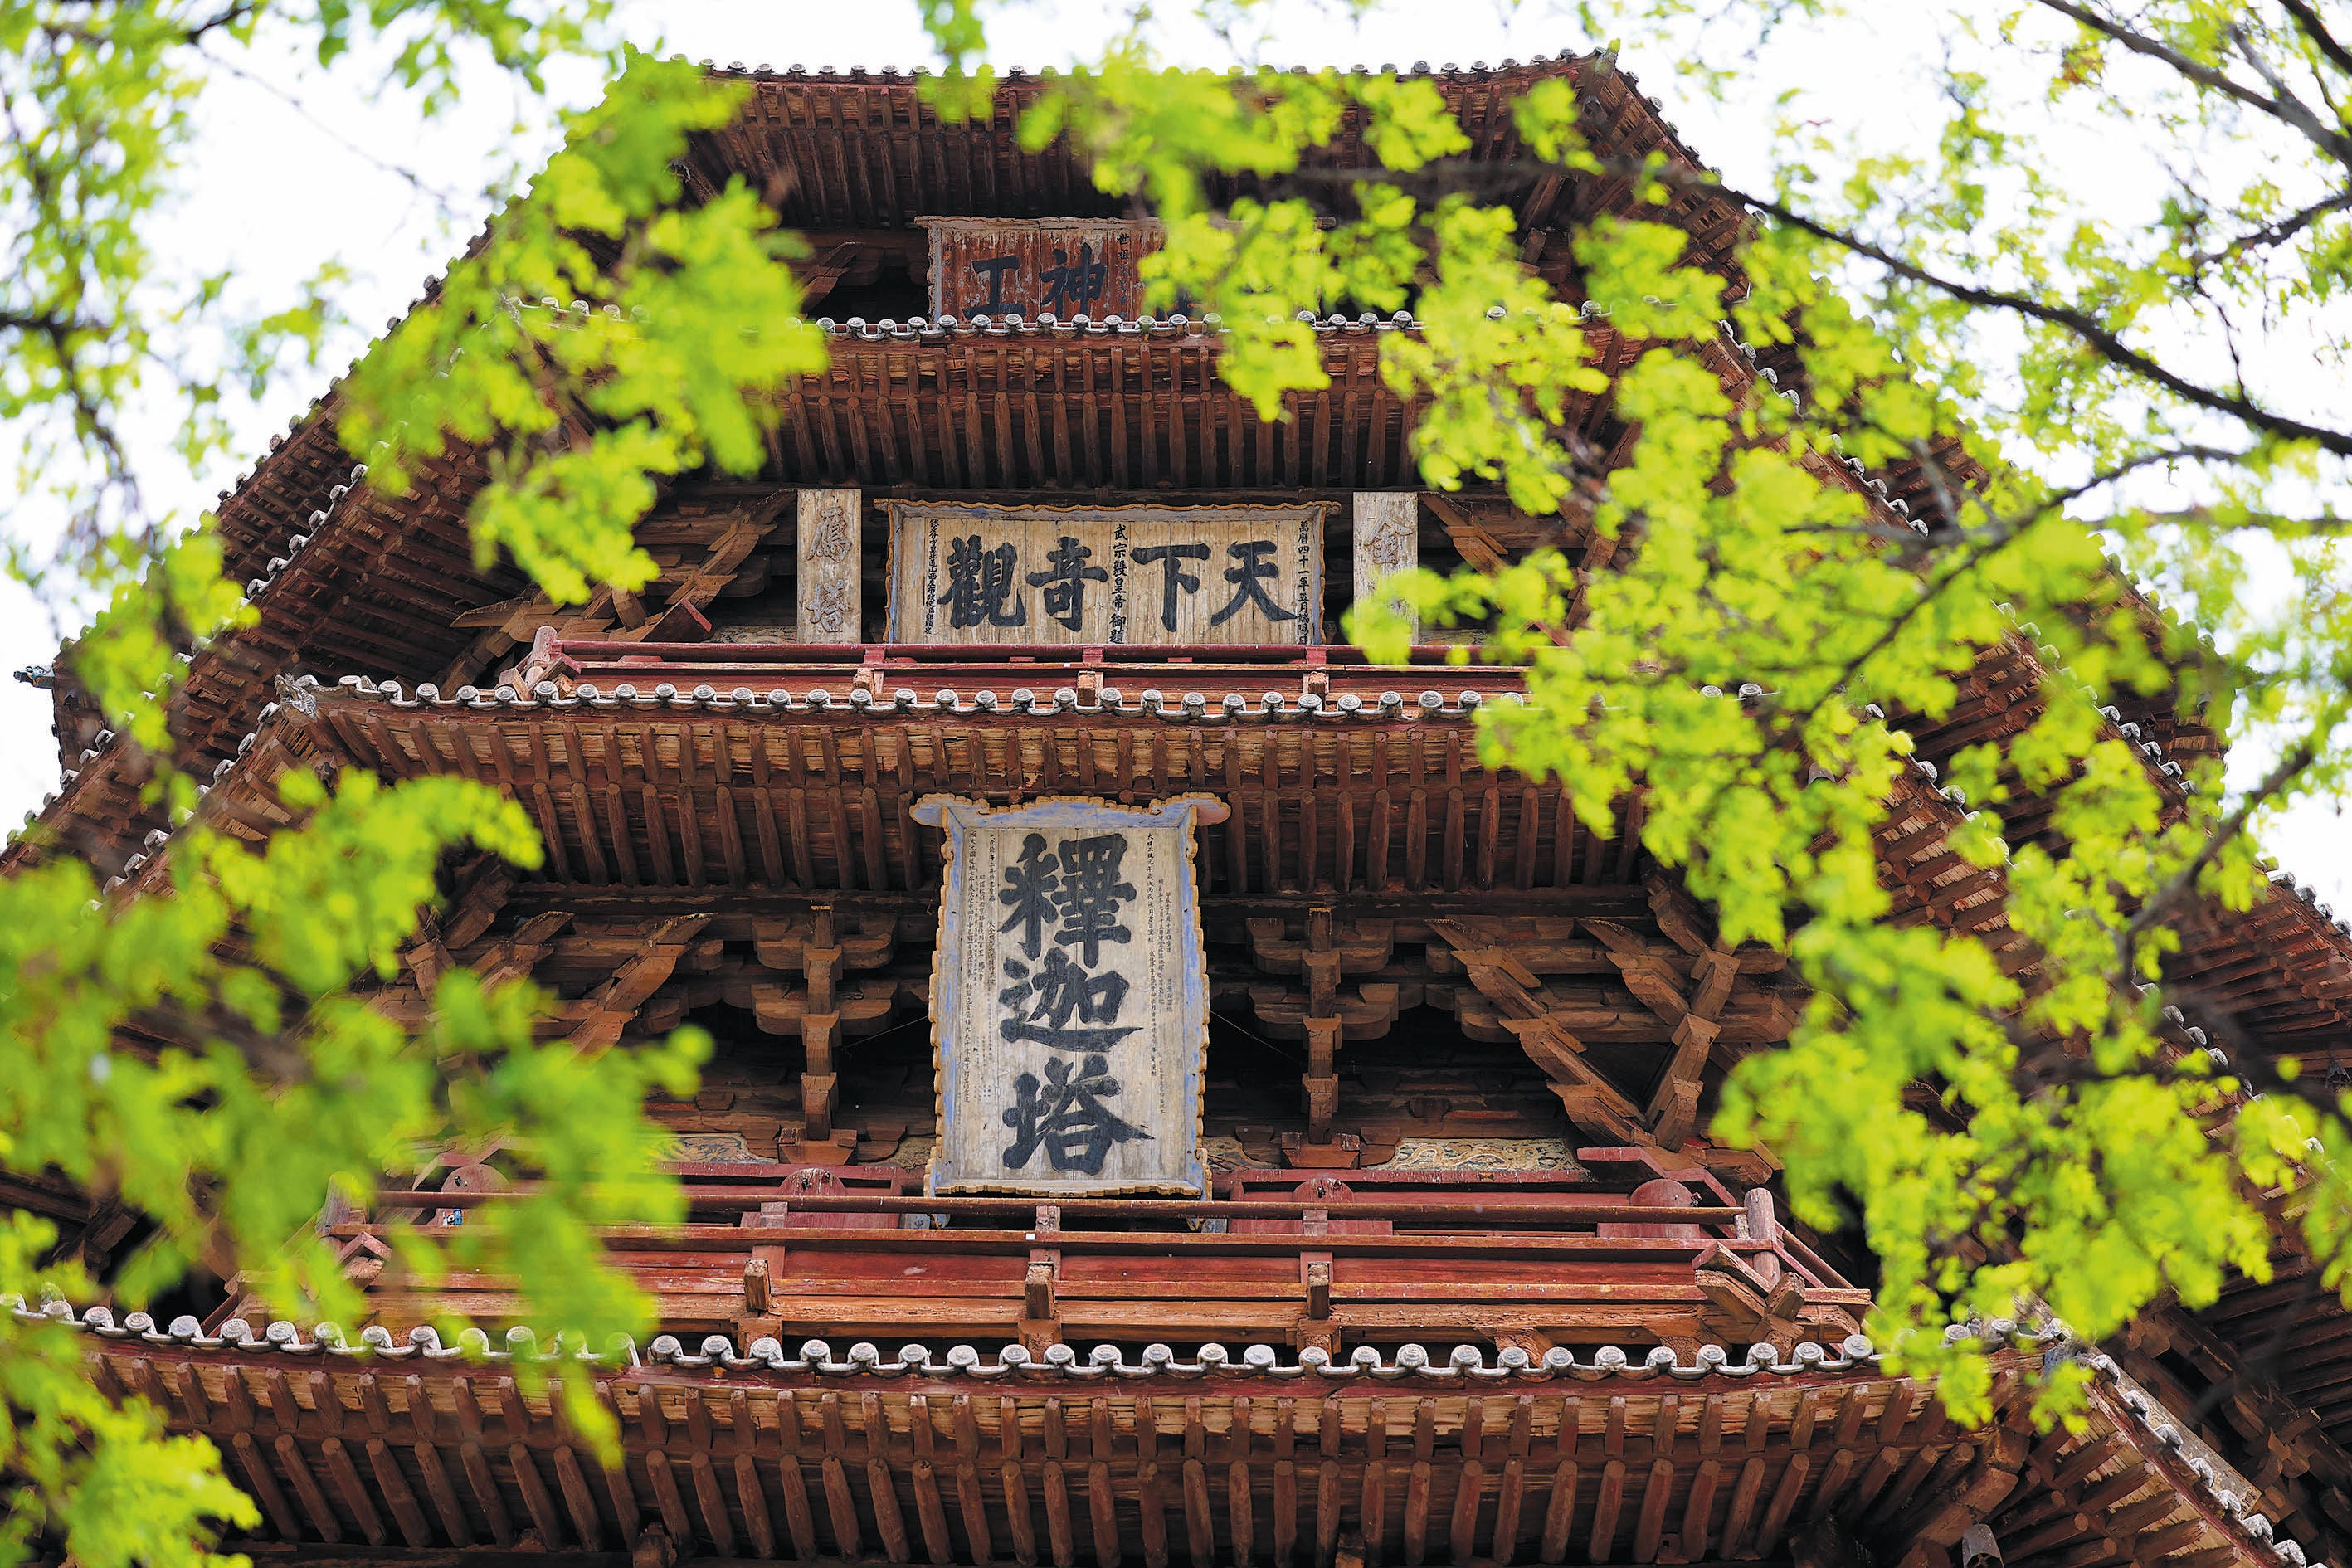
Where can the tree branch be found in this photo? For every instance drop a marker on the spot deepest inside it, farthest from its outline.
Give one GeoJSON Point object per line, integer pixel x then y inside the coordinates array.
{"type": "Point", "coordinates": [2094, 333]}
{"type": "Point", "coordinates": [1999, 531]}
{"type": "Point", "coordinates": [2287, 111]}
{"type": "Point", "coordinates": [2082, 323]}
{"type": "Point", "coordinates": [2291, 110]}
{"type": "Point", "coordinates": [2308, 21]}
{"type": "Point", "coordinates": [2276, 232]}
{"type": "Point", "coordinates": [228, 17]}
{"type": "Point", "coordinates": [2298, 757]}
{"type": "Point", "coordinates": [443, 200]}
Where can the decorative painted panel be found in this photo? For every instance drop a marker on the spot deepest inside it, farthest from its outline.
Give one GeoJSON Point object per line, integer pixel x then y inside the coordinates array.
{"type": "Point", "coordinates": [1069, 997]}
{"type": "Point", "coordinates": [1061, 268]}
{"type": "Point", "coordinates": [1102, 575]}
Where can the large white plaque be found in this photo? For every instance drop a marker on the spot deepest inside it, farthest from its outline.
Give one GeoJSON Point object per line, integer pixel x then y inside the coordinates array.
{"type": "Point", "coordinates": [1069, 997]}
{"type": "Point", "coordinates": [969, 573]}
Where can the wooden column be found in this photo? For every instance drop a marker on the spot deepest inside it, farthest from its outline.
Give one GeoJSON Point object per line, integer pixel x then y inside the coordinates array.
{"type": "Point", "coordinates": [1041, 1327]}
{"type": "Point", "coordinates": [831, 609]}
{"type": "Point", "coordinates": [1387, 538]}
{"type": "Point", "coordinates": [1321, 966]}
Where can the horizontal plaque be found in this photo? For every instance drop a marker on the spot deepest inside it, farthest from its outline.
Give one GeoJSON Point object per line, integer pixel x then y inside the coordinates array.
{"type": "Point", "coordinates": [1030, 267]}
{"type": "Point", "coordinates": [1069, 997]}
{"type": "Point", "coordinates": [1105, 575]}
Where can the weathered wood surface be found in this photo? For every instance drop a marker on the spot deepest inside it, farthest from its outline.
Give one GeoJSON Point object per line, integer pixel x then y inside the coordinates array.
{"type": "Point", "coordinates": [1062, 267]}
{"type": "Point", "coordinates": [831, 581]}
{"type": "Point", "coordinates": [1072, 1034]}
{"type": "Point", "coordinates": [712, 1465]}
{"type": "Point", "coordinates": [373, 589]}
{"type": "Point", "coordinates": [1537, 1259]}
{"type": "Point", "coordinates": [1387, 538]}
{"type": "Point", "coordinates": [675, 799]}
{"type": "Point", "coordinates": [1106, 575]}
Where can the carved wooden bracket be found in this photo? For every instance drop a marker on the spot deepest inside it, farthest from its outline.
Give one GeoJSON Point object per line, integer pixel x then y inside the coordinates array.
{"type": "Point", "coordinates": [1594, 1105]}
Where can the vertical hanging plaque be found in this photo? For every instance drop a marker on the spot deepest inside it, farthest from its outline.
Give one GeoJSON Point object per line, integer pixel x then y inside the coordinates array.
{"type": "Point", "coordinates": [1388, 540]}
{"type": "Point", "coordinates": [1070, 996]}
{"type": "Point", "coordinates": [829, 575]}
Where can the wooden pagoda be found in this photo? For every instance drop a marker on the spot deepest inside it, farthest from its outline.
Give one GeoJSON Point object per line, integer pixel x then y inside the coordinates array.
{"type": "Point", "coordinates": [1332, 1195]}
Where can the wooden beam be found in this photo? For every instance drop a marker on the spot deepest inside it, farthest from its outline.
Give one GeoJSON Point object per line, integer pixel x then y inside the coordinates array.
{"type": "Point", "coordinates": [918, 909]}
{"type": "Point", "coordinates": [307, 1553]}
{"type": "Point", "coordinates": [1597, 1107]}
{"type": "Point", "coordinates": [1936, 1522]}
{"type": "Point", "coordinates": [598, 1018]}
{"type": "Point", "coordinates": [1476, 546]}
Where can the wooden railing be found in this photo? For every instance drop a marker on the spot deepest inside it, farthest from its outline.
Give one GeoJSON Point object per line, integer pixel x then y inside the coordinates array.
{"type": "Point", "coordinates": [878, 668]}
{"type": "Point", "coordinates": [1278, 1255]}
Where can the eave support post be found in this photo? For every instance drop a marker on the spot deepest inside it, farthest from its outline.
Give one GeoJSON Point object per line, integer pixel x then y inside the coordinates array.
{"type": "Point", "coordinates": [820, 1029]}
{"type": "Point", "coordinates": [1322, 1080]}
{"type": "Point", "coordinates": [1041, 1324]}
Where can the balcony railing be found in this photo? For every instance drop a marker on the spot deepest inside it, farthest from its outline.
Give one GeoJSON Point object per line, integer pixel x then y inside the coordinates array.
{"type": "Point", "coordinates": [1111, 679]}
{"type": "Point", "coordinates": [1285, 1255]}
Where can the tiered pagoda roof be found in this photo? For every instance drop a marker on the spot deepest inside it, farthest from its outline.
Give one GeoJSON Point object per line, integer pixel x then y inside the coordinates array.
{"type": "Point", "coordinates": [1460, 1054]}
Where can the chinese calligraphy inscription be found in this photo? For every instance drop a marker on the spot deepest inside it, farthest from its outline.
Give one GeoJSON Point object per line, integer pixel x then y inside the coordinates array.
{"type": "Point", "coordinates": [1388, 538]}
{"type": "Point", "coordinates": [1066, 1117]}
{"type": "Point", "coordinates": [981, 587]}
{"type": "Point", "coordinates": [829, 566]}
{"type": "Point", "coordinates": [1065, 580]}
{"type": "Point", "coordinates": [1106, 575]}
{"type": "Point", "coordinates": [1062, 267]}
{"type": "Point", "coordinates": [1070, 1001]}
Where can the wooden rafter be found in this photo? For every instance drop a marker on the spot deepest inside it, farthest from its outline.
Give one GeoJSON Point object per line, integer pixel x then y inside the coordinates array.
{"type": "Point", "coordinates": [1476, 546]}
{"type": "Point", "coordinates": [712, 551]}
{"type": "Point", "coordinates": [440, 1457]}
{"type": "Point", "coordinates": [2294, 1461]}
{"type": "Point", "coordinates": [1960, 1490]}
{"type": "Point", "coordinates": [634, 969]}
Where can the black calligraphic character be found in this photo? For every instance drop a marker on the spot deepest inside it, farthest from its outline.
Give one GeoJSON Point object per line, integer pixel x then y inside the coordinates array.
{"type": "Point", "coordinates": [1044, 1000]}
{"type": "Point", "coordinates": [1066, 1117]}
{"type": "Point", "coordinates": [1248, 577]}
{"type": "Point", "coordinates": [993, 268]}
{"type": "Point", "coordinates": [980, 584]}
{"type": "Point", "coordinates": [1030, 886]}
{"type": "Point", "coordinates": [1070, 285]}
{"type": "Point", "coordinates": [1065, 580]}
{"type": "Point", "coordinates": [1173, 578]}
{"type": "Point", "coordinates": [1091, 893]}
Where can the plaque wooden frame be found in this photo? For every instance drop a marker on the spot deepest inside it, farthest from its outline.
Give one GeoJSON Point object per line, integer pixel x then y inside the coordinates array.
{"type": "Point", "coordinates": [957, 815]}
{"type": "Point", "coordinates": [1305, 587]}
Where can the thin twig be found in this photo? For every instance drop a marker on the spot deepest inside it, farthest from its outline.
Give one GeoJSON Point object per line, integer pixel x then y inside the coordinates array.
{"type": "Point", "coordinates": [2298, 757]}
{"type": "Point", "coordinates": [2276, 232]}
{"type": "Point", "coordinates": [2094, 333]}
{"type": "Point", "coordinates": [441, 199]}
{"type": "Point", "coordinates": [2286, 110]}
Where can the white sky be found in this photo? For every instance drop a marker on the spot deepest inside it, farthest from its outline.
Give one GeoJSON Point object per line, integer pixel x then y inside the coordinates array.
{"type": "Point", "coordinates": [275, 190]}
